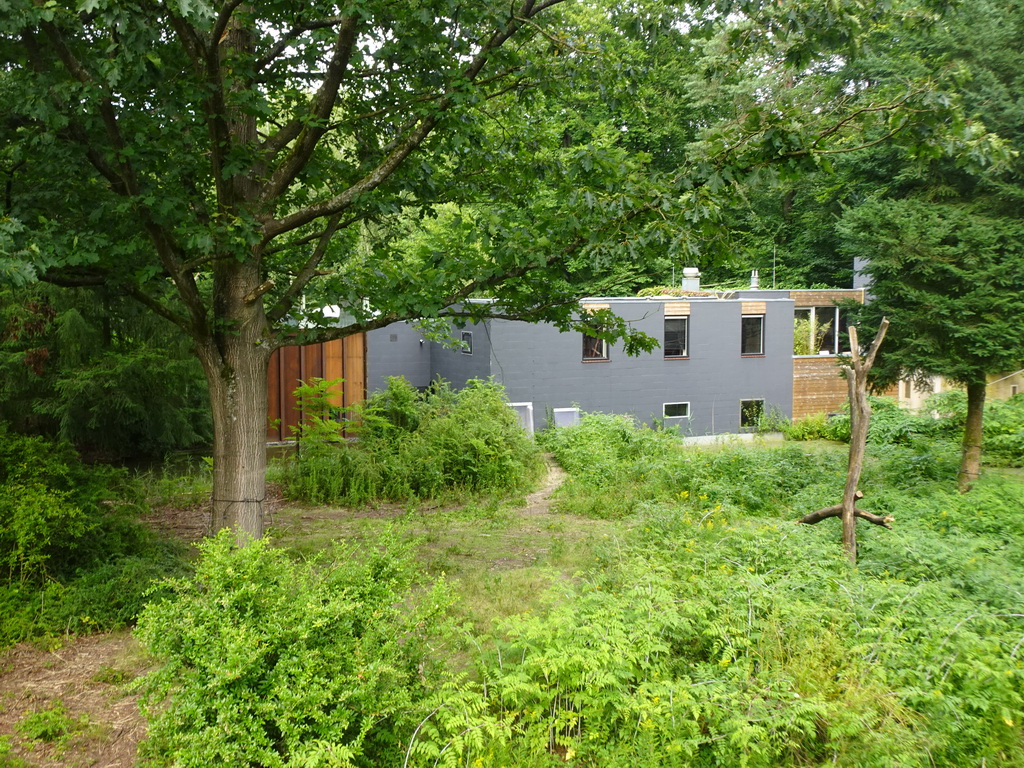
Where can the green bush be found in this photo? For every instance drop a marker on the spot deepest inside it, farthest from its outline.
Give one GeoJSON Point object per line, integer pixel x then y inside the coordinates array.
{"type": "Point", "coordinates": [616, 466]}
{"type": "Point", "coordinates": [819, 426]}
{"type": "Point", "coordinates": [414, 445]}
{"type": "Point", "coordinates": [74, 556]}
{"type": "Point", "coordinates": [102, 372]}
{"type": "Point", "coordinates": [1004, 432]}
{"type": "Point", "coordinates": [270, 662]}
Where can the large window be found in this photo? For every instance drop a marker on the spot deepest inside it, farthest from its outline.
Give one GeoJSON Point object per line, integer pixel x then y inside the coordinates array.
{"type": "Point", "coordinates": [820, 331]}
{"type": "Point", "coordinates": [594, 348]}
{"type": "Point", "coordinates": [752, 340]}
{"type": "Point", "coordinates": [751, 412]}
{"type": "Point", "coordinates": [676, 329]}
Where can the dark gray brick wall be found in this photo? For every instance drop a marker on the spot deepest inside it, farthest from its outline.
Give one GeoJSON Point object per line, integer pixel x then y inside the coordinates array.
{"type": "Point", "coordinates": [396, 350]}
{"type": "Point", "coordinates": [536, 363]}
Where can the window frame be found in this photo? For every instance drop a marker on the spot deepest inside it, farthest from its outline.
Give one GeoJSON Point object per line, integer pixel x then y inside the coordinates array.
{"type": "Point", "coordinates": [685, 334]}
{"type": "Point", "coordinates": [601, 356]}
{"type": "Point", "coordinates": [467, 342]}
{"type": "Point", "coordinates": [664, 410]}
{"type": "Point", "coordinates": [743, 412]}
{"type": "Point", "coordinates": [743, 335]}
{"type": "Point", "coordinates": [838, 342]}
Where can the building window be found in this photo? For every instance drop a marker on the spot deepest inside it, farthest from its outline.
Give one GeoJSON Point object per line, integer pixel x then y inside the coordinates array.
{"type": "Point", "coordinates": [594, 348]}
{"type": "Point", "coordinates": [751, 412]}
{"type": "Point", "coordinates": [676, 410]}
{"type": "Point", "coordinates": [467, 343]}
{"type": "Point", "coordinates": [822, 331]}
{"type": "Point", "coordinates": [676, 329]}
{"type": "Point", "coordinates": [752, 342]}
{"type": "Point", "coordinates": [1013, 390]}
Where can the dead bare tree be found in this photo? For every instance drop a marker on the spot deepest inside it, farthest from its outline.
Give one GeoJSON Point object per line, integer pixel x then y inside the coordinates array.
{"type": "Point", "coordinates": [860, 418]}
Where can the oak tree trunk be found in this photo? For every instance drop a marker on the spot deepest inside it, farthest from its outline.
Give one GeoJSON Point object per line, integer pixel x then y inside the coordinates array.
{"type": "Point", "coordinates": [970, 460]}
{"type": "Point", "coordinates": [235, 361]}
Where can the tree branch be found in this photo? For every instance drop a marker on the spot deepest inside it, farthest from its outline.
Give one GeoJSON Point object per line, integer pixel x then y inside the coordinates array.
{"type": "Point", "coordinates": [292, 34]}
{"type": "Point", "coordinates": [837, 511]}
{"type": "Point", "coordinates": [413, 139]}
{"type": "Point", "coordinates": [106, 107]}
{"type": "Point", "coordinates": [308, 271]}
{"type": "Point", "coordinates": [315, 126]}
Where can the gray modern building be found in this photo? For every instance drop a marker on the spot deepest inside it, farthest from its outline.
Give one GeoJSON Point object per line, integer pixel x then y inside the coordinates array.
{"type": "Point", "coordinates": [723, 360]}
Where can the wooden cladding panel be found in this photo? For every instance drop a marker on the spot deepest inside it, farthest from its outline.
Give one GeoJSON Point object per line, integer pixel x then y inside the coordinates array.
{"type": "Point", "coordinates": [825, 298]}
{"type": "Point", "coordinates": [817, 386]}
{"type": "Point", "coordinates": [289, 366]}
{"type": "Point", "coordinates": [354, 356]}
{"type": "Point", "coordinates": [677, 308]}
{"type": "Point", "coordinates": [753, 307]}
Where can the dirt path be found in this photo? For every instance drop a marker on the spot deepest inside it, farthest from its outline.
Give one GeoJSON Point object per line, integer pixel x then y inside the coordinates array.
{"type": "Point", "coordinates": [93, 720]}
{"type": "Point", "coordinates": [539, 502]}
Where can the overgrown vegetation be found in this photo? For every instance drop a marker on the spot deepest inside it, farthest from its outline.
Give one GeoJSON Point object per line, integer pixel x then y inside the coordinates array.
{"type": "Point", "coordinates": [73, 555]}
{"type": "Point", "coordinates": [271, 662]}
{"type": "Point", "coordinates": [100, 372]}
{"type": "Point", "coordinates": [934, 431]}
{"type": "Point", "coordinates": [717, 633]}
{"type": "Point", "coordinates": [411, 445]}
{"type": "Point", "coordinates": [709, 631]}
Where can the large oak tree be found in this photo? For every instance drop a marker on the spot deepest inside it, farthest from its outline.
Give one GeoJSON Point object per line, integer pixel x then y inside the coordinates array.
{"type": "Point", "coordinates": [236, 166]}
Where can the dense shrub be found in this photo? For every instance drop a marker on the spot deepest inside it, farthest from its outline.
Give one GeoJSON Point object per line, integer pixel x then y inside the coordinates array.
{"type": "Point", "coordinates": [100, 371]}
{"type": "Point", "coordinates": [936, 429]}
{"type": "Point", "coordinates": [1004, 432]}
{"type": "Point", "coordinates": [73, 555]}
{"type": "Point", "coordinates": [271, 662]}
{"type": "Point", "coordinates": [818, 426]}
{"type": "Point", "coordinates": [414, 445]}
{"type": "Point", "coordinates": [616, 466]}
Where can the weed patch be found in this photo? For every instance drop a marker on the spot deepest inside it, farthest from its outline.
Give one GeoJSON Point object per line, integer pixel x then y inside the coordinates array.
{"type": "Point", "coordinates": [412, 446]}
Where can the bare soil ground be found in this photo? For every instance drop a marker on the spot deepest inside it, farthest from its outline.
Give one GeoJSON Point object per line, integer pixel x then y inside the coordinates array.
{"type": "Point", "coordinates": [90, 677]}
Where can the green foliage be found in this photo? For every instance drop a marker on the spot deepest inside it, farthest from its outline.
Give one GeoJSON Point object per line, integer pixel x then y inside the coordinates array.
{"type": "Point", "coordinates": [802, 341]}
{"type": "Point", "coordinates": [1004, 432]}
{"type": "Point", "coordinates": [52, 725]}
{"type": "Point", "coordinates": [714, 634]}
{"type": "Point", "coordinates": [102, 373]}
{"type": "Point", "coordinates": [74, 556]}
{"type": "Point", "coordinates": [271, 662]}
{"type": "Point", "coordinates": [413, 445]}
{"type": "Point", "coordinates": [929, 438]}
{"type": "Point", "coordinates": [616, 466]}
{"type": "Point", "coordinates": [819, 426]}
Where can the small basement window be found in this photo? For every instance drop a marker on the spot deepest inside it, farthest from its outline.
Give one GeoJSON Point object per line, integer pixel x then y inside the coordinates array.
{"type": "Point", "coordinates": [751, 412]}
{"type": "Point", "coordinates": [752, 338]}
{"type": "Point", "coordinates": [467, 343]}
{"type": "Point", "coordinates": [676, 410]}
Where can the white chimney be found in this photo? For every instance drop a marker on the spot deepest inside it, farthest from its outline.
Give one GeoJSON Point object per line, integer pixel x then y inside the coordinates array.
{"type": "Point", "coordinates": [755, 281]}
{"type": "Point", "coordinates": [691, 279]}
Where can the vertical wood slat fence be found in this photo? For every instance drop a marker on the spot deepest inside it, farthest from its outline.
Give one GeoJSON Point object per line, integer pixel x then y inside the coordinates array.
{"type": "Point", "coordinates": [289, 366]}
